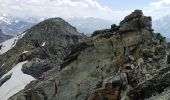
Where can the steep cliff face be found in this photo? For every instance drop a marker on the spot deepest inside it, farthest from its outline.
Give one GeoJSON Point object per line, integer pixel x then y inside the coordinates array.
{"type": "Point", "coordinates": [126, 62]}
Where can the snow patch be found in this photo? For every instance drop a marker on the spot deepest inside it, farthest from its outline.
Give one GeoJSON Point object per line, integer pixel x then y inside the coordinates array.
{"type": "Point", "coordinates": [16, 21]}
{"type": "Point", "coordinates": [43, 44]}
{"type": "Point", "coordinates": [2, 65]}
{"type": "Point", "coordinates": [16, 83]}
{"type": "Point", "coordinates": [9, 44]}
{"type": "Point", "coordinates": [25, 51]}
{"type": "Point", "coordinates": [5, 19]}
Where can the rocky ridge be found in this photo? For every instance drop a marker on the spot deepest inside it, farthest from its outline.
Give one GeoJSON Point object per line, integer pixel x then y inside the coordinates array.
{"type": "Point", "coordinates": [44, 44]}
{"type": "Point", "coordinates": [125, 62]}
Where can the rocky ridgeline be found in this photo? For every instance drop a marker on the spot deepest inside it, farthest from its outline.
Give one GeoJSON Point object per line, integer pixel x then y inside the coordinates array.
{"type": "Point", "coordinates": [44, 46]}
{"type": "Point", "coordinates": [126, 62]}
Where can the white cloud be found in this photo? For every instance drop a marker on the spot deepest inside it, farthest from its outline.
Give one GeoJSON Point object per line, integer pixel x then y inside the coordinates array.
{"type": "Point", "coordinates": [77, 8]}
{"type": "Point", "coordinates": [60, 8]}
{"type": "Point", "coordinates": [158, 9]}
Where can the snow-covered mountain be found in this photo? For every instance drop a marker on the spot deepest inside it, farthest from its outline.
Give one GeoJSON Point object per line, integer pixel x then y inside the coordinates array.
{"type": "Point", "coordinates": [14, 25]}
{"type": "Point", "coordinates": [162, 25]}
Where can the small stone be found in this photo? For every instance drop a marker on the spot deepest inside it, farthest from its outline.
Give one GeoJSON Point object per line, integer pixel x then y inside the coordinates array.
{"type": "Point", "coordinates": [150, 59]}
{"type": "Point", "coordinates": [131, 58]}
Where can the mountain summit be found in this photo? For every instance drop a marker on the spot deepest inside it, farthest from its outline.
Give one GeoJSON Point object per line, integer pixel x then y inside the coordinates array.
{"type": "Point", "coordinates": [55, 62]}
{"type": "Point", "coordinates": [55, 31]}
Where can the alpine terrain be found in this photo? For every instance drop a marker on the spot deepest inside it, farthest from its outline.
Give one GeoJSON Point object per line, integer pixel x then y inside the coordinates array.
{"type": "Point", "coordinates": [14, 25]}
{"type": "Point", "coordinates": [162, 25]}
{"type": "Point", "coordinates": [3, 36]}
{"type": "Point", "coordinates": [53, 61]}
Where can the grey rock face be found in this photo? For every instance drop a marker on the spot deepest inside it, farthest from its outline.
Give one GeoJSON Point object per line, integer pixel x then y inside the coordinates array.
{"type": "Point", "coordinates": [56, 29]}
{"type": "Point", "coordinates": [36, 69]}
{"type": "Point", "coordinates": [2, 81]}
{"type": "Point", "coordinates": [135, 22]}
{"type": "Point", "coordinates": [153, 86]}
{"type": "Point", "coordinates": [107, 66]}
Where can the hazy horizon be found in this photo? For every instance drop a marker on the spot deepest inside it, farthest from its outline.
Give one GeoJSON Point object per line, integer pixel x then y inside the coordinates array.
{"type": "Point", "coordinates": [109, 10]}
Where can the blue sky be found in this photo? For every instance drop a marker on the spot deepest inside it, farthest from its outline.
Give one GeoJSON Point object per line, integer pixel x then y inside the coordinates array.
{"type": "Point", "coordinates": [125, 4]}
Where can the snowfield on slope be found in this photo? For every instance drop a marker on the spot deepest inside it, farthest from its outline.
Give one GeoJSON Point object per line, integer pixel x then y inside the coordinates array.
{"type": "Point", "coordinates": [43, 44]}
{"type": "Point", "coordinates": [16, 83]}
{"type": "Point", "coordinates": [9, 44]}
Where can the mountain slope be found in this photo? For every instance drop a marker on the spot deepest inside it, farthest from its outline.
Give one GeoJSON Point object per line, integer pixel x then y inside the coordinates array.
{"type": "Point", "coordinates": [128, 62]}
{"type": "Point", "coordinates": [16, 83]}
{"type": "Point", "coordinates": [4, 37]}
{"type": "Point", "coordinates": [43, 46]}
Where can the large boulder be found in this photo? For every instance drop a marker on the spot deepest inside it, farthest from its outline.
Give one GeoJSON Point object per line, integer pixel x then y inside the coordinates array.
{"type": "Point", "coordinates": [136, 22]}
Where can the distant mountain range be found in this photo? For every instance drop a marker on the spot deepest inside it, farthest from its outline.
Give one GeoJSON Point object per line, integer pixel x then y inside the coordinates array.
{"type": "Point", "coordinates": [15, 25]}
{"type": "Point", "coordinates": [89, 25]}
{"type": "Point", "coordinates": [168, 39]}
{"type": "Point", "coordinates": [162, 26]}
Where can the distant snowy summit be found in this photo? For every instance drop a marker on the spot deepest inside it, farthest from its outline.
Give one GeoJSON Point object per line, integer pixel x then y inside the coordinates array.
{"type": "Point", "coordinates": [11, 25]}
{"type": "Point", "coordinates": [162, 25]}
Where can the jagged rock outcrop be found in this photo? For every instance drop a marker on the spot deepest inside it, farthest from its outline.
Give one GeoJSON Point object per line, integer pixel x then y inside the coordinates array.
{"type": "Point", "coordinates": [3, 37]}
{"type": "Point", "coordinates": [126, 62]}
{"type": "Point", "coordinates": [135, 22]}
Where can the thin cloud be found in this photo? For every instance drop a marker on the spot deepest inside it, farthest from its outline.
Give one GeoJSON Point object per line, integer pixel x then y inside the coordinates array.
{"type": "Point", "coordinates": [158, 9]}
{"type": "Point", "coordinates": [76, 8]}
{"type": "Point", "coordinates": [60, 8]}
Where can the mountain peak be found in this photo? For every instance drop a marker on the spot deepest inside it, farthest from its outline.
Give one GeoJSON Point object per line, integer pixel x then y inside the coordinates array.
{"type": "Point", "coordinates": [136, 21]}
{"type": "Point", "coordinates": [54, 31]}
{"type": "Point", "coordinates": [55, 25]}
{"type": "Point", "coordinates": [128, 61]}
